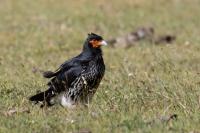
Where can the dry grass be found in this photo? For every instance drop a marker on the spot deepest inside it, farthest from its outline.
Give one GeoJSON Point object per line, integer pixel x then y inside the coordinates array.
{"type": "Point", "coordinates": [140, 84]}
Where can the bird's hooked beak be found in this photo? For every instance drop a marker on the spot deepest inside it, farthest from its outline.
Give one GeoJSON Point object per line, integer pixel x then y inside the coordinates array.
{"type": "Point", "coordinates": [103, 43]}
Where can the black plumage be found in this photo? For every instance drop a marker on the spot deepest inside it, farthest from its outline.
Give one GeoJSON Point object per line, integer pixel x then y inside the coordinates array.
{"type": "Point", "coordinates": [77, 79]}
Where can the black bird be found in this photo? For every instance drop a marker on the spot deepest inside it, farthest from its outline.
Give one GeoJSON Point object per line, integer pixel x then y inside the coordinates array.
{"type": "Point", "coordinates": [77, 79]}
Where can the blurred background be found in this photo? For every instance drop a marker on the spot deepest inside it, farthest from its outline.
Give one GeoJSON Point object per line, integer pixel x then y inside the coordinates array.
{"type": "Point", "coordinates": [142, 82]}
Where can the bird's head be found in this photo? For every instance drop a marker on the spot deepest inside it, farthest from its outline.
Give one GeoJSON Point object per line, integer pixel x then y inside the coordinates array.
{"type": "Point", "coordinates": [95, 41]}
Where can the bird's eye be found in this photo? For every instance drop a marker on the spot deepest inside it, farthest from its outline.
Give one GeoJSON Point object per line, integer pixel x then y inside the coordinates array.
{"type": "Point", "coordinates": [94, 43]}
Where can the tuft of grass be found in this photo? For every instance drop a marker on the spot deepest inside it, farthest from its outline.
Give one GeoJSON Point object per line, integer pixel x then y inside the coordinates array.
{"type": "Point", "coordinates": [140, 84]}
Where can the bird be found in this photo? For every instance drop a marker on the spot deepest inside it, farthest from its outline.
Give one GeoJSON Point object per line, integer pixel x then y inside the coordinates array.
{"type": "Point", "coordinates": [77, 79]}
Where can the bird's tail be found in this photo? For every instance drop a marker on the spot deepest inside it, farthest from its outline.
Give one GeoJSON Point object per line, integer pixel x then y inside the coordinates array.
{"type": "Point", "coordinates": [42, 96]}
{"type": "Point", "coordinates": [38, 97]}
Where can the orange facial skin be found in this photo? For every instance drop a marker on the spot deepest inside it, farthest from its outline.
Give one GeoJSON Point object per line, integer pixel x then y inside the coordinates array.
{"type": "Point", "coordinates": [95, 43]}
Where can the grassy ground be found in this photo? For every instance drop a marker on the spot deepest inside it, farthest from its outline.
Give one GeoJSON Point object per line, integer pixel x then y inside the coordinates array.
{"type": "Point", "coordinates": [140, 84]}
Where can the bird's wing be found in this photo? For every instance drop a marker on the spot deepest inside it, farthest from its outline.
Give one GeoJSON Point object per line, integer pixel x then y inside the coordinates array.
{"type": "Point", "coordinates": [67, 73]}
{"type": "Point", "coordinates": [74, 62]}
{"type": "Point", "coordinates": [85, 84]}
{"type": "Point", "coordinates": [64, 79]}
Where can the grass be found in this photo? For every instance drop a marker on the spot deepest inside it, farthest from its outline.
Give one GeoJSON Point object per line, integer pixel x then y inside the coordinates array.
{"type": "Point", "coordinates": [140, 84]}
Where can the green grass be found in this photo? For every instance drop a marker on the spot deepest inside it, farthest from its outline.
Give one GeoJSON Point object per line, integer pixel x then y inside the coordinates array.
{"type": "Point", "coordinates": [140, 84]}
